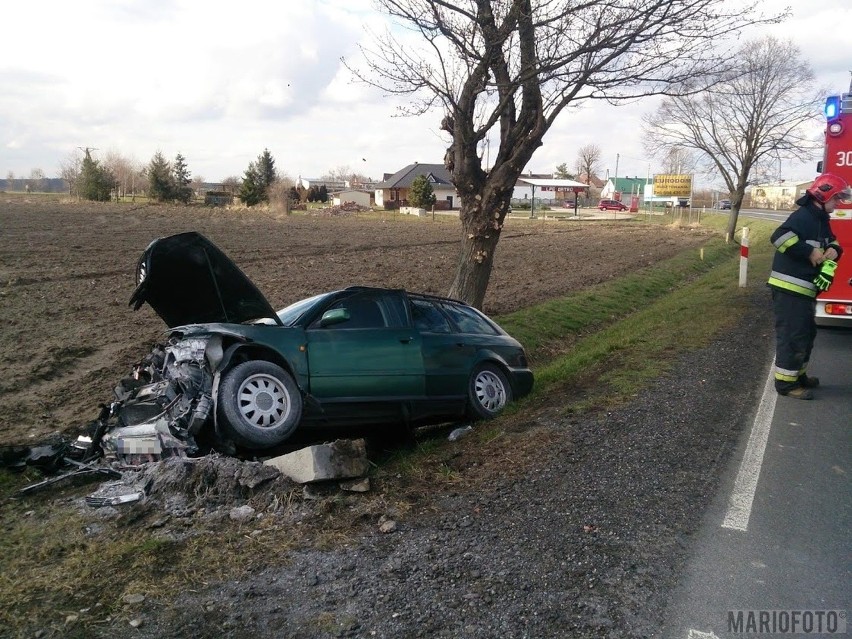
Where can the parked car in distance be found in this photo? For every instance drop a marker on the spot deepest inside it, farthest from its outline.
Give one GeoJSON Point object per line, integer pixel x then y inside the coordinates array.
{"type": "Point", "coordinates": [360, 356]}
{"type": "Point", "coordinates": [612, 205]}
{"type": "Point", "coordinates": [724, 205]}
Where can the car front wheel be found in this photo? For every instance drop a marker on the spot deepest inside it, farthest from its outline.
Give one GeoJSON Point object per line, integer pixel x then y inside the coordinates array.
{"type": "Point", "coordinates": [259, 404]}
{"type": "Point", "coordinates": [488, 392]}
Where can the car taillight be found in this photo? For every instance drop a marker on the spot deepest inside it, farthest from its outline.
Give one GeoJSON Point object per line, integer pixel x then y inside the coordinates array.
{"type": "Point", "coordinates": [838, 309]}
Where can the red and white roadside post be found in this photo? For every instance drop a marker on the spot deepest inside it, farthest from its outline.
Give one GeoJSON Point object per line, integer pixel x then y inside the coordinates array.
{"type": "Point", "coordinates": [744, 257]}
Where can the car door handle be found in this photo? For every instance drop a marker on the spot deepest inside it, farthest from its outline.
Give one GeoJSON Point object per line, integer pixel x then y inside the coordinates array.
{"type": "Point", "coordinates": [405, 340]}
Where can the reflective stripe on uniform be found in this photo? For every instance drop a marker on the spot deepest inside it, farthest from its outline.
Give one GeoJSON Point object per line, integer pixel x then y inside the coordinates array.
{"type": "Point", "coordinates": [786, 241]}
{"type": "Point", "coordinates": [793, 284]}
{"type": "Point", "coordinates": [813, 243]}
{"type": "Point", "coordinates": [786, 375]}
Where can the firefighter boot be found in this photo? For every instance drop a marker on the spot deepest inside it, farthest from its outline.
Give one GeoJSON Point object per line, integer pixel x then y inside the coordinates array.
{"type": "Point", "coordinates": [808, 382]}
{"type": "Point", "coordinates": [799, 393]}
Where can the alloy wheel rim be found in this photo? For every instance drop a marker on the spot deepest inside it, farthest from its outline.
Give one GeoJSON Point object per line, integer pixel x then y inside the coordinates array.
{"type": "Point", "coordinates": [489, 391]}
{"type": "Point", "coordinates": [263, 401]}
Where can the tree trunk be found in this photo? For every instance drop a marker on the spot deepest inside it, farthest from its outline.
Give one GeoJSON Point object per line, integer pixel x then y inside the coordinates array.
{"type": "Point", "coordinates": [473, 272]}
{"type": "Point", "coordinates": [732, 222]}
{"type": "Point", "coordinates": [482, 218]}
{"type": "Point", "coordinates": [737, 198]}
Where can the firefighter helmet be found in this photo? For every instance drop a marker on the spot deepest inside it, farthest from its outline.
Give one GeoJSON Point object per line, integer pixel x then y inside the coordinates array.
{"type": "Point", "coordinates": [827, 186]}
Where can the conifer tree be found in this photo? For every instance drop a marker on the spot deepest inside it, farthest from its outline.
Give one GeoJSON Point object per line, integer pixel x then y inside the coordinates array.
{"type": "Point", "coordinates": [252, 190]}
{"type": "Point", "coordinates": [96, 182]}
{"type": "Point", "coordinates": [182, 178]}
{"type": "Point", "coordinates": [422, 195]}
{"type": "Point", "coordinates": [161, 183]}
{"type": "Point", "coordinates": [266, 171]}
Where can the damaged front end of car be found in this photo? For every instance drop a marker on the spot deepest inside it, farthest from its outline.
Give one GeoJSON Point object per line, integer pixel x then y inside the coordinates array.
{"type": "Point", "coordinates": [166, 403]}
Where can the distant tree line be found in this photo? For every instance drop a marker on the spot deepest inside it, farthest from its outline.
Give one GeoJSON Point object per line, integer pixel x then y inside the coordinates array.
{"type": "Point", "coordinates": [117, 177]}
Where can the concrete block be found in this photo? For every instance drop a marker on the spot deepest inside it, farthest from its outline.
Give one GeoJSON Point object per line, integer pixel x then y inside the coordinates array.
{"type": "Point", "coordinates": [340, 459]}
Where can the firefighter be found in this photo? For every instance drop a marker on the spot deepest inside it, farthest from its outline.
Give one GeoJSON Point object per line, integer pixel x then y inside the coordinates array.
{"type": "Point", "coordinates": [806, 254]}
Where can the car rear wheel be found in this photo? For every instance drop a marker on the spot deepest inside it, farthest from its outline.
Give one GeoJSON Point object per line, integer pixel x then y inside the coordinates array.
{"type": "Point", "coordinates": [488, 392]}
{"type": "Point", "coordinates": [259, 404]}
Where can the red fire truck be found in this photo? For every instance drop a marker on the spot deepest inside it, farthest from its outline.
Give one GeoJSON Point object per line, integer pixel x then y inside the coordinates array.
{"type": "Point", "coordinates": [834, 306]}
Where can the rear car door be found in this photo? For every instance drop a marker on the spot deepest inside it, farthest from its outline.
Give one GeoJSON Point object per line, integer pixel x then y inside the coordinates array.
{"type": "Point", "coordinates": [373, 356]}
{"type": "Point", "coordinates": [447, 356]}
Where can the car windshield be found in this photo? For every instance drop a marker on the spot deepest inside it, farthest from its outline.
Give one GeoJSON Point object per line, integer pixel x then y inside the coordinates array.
{"type": "Point", "coordinates": [291, 314]}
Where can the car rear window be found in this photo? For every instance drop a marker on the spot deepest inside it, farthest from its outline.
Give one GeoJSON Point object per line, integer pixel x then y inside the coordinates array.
{"type": "Point", "coordinates": [468, 320]}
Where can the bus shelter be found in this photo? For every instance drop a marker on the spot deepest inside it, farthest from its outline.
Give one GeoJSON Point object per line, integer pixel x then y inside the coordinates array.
{"type": "Point", "coordinates": [553, 185]}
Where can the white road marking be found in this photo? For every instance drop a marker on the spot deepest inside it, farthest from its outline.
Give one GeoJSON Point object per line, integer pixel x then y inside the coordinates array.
{"type": "Point", "coordinates": [697, 634]}
{"type": "Point", "coordinates": [739, 505]}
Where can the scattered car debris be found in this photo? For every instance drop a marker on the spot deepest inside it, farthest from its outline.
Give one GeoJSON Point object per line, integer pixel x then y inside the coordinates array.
{"type": "Point", "coordinates": [100, 502]}
{"type": "Point", "coordinates": [458, 433]}
{"type": "Point", "coordinates": [80, 469]}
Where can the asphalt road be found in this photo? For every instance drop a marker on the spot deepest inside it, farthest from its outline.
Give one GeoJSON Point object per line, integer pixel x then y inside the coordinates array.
{"type": "Point", "coordinates": [789, 547]}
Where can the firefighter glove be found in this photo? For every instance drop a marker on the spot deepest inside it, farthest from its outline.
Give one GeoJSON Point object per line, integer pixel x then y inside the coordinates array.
{"type": "Point", "coordinates": [826, 275]}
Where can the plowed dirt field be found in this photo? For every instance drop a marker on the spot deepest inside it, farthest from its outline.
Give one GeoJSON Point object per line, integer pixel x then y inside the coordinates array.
{"type": "Point", "coordinates": [67, 334]}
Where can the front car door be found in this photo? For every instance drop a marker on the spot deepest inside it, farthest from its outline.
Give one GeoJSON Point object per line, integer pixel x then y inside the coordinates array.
{"type": "Point", "coordinates": [372, 356]}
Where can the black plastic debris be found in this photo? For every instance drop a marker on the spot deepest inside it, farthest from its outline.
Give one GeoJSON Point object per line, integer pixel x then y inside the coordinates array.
{"type": "Point", "coordinates": [46, 456]}
{"type": "Point", "coordinates": [78, 469]}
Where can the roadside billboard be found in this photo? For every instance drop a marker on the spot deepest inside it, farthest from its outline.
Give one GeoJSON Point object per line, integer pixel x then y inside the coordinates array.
{"type": "Point", "coordinates": [673, 185]}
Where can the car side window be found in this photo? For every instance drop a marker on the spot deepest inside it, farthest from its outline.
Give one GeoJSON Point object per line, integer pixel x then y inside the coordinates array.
{"type": "Point", "coordinates": [468, 320]}
{"type": "Point", "coordinates": [393, 305]}
{"type": "Point", "coordinates": [364, 312]}
{"type": "Point", "coordinates": [427, 318]}
{"type": "Point", "coordinates": [370, 310]}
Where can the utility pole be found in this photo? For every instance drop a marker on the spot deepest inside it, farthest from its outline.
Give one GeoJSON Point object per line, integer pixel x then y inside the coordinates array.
{"type": "Point", "coordinates": [87, 149]}
{"type": "Point", "coordinates": [615, 180]}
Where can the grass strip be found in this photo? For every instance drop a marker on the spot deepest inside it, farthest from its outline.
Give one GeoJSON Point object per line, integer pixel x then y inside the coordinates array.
{"type": "Point", "coordinates": [590, 309]}
{"type": "Point", "coordinates": [661, 321]}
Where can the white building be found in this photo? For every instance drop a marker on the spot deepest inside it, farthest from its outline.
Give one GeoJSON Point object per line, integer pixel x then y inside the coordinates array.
{"type": "Point", "coordinates": [361, 198]}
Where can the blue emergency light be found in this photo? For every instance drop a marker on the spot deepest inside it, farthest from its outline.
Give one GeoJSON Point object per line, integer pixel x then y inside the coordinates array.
{"type": "Point", "coordinates": [832, 107]}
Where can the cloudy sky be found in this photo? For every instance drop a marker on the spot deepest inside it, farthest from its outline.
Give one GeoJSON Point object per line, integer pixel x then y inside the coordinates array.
{"type": "Point", "coordinates": [218, 82]}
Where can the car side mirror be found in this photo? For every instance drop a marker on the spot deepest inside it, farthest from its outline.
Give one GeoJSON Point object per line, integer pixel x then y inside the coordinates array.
{"type": "Point", "coordinates": [334, 316]}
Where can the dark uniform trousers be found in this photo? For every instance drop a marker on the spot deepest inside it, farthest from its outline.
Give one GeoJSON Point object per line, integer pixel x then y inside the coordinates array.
{"type": "Point", "coordinates": [795, 331]}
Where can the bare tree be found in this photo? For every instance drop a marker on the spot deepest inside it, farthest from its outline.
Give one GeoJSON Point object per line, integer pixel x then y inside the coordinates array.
{"type": "Point", "coordinates": [680, 160]}
{"type": "Point", "coordinates": [588, 160]}
{"type": "Point", "coordinates": [346, 174]}
{"type": "Point", "coordinates": [127, 172]}
{"type": "Point", "coordinates": [338, 174]}
{"type": "Point", "coordinates": [69, 170]}
{"type": "Point", "coordinates": [232, 183]}
{"type": "Point", "coordinates": [757, 117]}
{"type": "Point", "coordinates": [37, 180]}
{"type": "Point", "coordinates": [515, 65]}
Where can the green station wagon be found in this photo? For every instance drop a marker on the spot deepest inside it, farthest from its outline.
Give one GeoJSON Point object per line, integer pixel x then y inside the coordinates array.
{"type": "Point", "coordinates": [234, 368]}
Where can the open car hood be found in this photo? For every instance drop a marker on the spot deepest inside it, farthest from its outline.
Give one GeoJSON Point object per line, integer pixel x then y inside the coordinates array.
{"type": "Point", "coordinates": [188, 280]}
